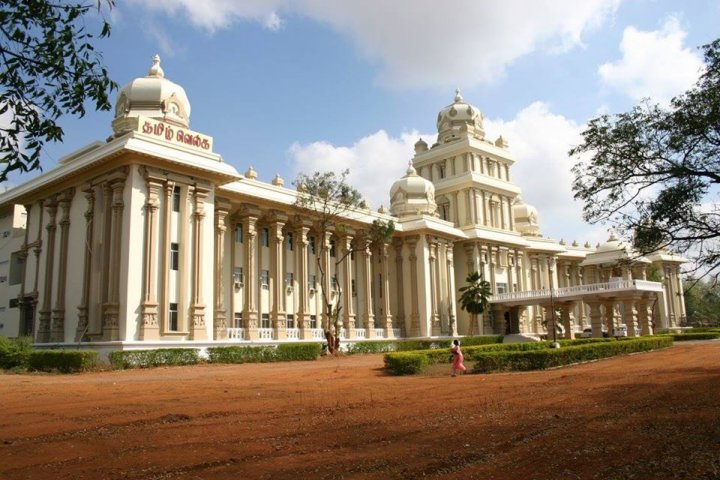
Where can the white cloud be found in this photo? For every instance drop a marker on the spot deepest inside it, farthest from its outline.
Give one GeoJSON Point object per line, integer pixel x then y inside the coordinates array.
{"type": "Point", "coordinates": [423, 43]}
{"type": "Point", "coordinates": [375, 162]}
{"type": "Point", "coordinates": [654, 64]}
{"type": "Point", "coordinates": [539, 139]}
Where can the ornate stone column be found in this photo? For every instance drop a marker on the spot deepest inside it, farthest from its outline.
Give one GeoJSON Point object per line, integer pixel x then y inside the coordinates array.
{"type": "Point", "coordinates": [682, 313]}
{"type": "Point", "coordinates": [301, 265]}
{"type": "Point", "coordinates": [57, 330]}
{"type": "Point", "coordinates": [348, 307]}
{"type": "Point", "coordinates": [111, 309]}
{"type": "Point", "coordinates": [220, 324]}
{"type": "Point", "coordinates": [630, 316]}
{"type": "Point", "coordinates": [595, 319]}
{"type": "Point", "coordinates": [323, 265]}
{"type": "Point", "coordinates": [414, 313]}
{"type": "Point", "coordinates": [386, 319]}
{"type": "Point", "coordinates": [250, 313]}
{"type": "Point", "coordinates": [83, 320]}
{"type": "Point", "coordinates": [197, 309]}
{"type": "Point", "coordinates": [609, 316]}
{"type": "Point", "coordinates": [452, 301]}
{"type": "Point", "coordinates": [644, 315]}
{"type": "Point", "coordinates": [164, 255]}
{"type": "Point", "coordinates": [150, 330]}
{"type": "Point", "coordinates": [277, 280]}
{"type": "Point", "coordinates": [45, 314]}
{"type": "Point", "coordinates": [400, 314]}
{"type": "Point", "coordinates": [432, 257]}
{"type": "Point", "coordinates": [568, 322]}
{"type": "Point", "coordinates": [23, 254]}
{"type": "Point", "coordinates": [368, 315]}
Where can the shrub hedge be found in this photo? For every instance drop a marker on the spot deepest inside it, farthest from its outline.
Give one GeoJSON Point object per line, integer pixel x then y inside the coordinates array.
{"type": "Point", "coordinates": [681, 337]}
{"type": "Point", "coordinates": [298, 351]}
{"type": "Point", "coordinates": [384, 346]}
{"type": "Point", "coordinates": [247, 354]}
{"type": "Point", "coordinates": [65, 361]}
{"type": "Point", "coordinates": [530, 355]}
{"type": "Point", "coordinates": [15, 352]}
{"type": "Point", "coordinates": [122, 359]}
{"type": "Point", "coordinates": [555, 357]}
{"type": "Point", "coordinates": [18, 353]}
{"type": "Point", "coordinates": [406, 363]}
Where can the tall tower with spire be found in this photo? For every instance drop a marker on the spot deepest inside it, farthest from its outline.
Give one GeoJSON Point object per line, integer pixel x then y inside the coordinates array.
{"type": "Point", "coordinates": [471, 174]}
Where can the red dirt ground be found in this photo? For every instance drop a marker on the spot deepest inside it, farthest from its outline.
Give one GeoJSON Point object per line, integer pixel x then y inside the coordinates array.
{"type": "Point", "coordinates": [647, 416]}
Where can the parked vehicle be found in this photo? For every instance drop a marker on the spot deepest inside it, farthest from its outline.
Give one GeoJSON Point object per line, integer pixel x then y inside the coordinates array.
{"type": "Point", "coordinates": [620, 331]}
{"type": "Point", "coordinates": [587, 333]}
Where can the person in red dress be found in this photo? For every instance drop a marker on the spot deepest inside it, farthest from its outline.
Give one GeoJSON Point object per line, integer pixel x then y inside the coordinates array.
{"type": "Point", "coordinates": [457, 366]}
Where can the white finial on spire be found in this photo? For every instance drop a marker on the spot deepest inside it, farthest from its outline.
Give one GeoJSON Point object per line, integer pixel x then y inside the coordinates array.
{"type": "Point", "coordinates": [410, 170]}
{"type": "Point", "coordinates": [156, 70]}
{"type": "Point", "coordinates": [458, 97]}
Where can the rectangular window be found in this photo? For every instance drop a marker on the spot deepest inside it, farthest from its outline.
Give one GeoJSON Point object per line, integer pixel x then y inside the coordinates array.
{"type": "Point", "coordinates": [289, 237]}
{"type": "Point", "coordinates": [264, 278]}
{"type": "Point", "coordinates": [173, 317]}
{"type": "Point", "coordinates": [289, 279]}
{"type": "Point", "coordinates": [174, 256]}
{"type": "Point", "coordinates": [176, 199]}
{"type": "Point", "coordinates": [332, 248]}
{"type": "Point", "coordinates": [442, 171]}
{"type": "Point", "coordinates": [334, 283]}
{"type": "Point", "coordinates": [238, 234]}
{"type": "Point", "coordinates": [265, 237]}
{"type": "Point", "coordinates": [312, 281]}
{"type": "Point", "coordinates": [265, 320]}
{"type": "Point", "coordinates": [291, 321]}
{"type": "Point", "coordinates": [501, 287]}
{"type": "Point", "coordinates": [17, 265]}
{"type": "Point", "coordinates": [13, 303]}
{"type": "Point", "coordinates": [353, 288]}
{"type": "Point", "coordinates": [313, 321]}
{"type": "Point", "coordinates": [237, 320]}
{"type": "Point", "coordinates": [312, 245]}
{"type": "Point", "coordinates": [238, 275]}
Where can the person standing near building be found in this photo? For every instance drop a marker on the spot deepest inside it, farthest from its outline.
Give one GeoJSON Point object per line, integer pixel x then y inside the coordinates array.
{"type": "Point", "coordinates": [458, 358]}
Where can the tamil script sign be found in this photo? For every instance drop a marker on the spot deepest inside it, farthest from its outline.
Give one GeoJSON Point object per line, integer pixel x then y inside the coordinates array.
{"type": "Point", "coordinates": [174, 134]}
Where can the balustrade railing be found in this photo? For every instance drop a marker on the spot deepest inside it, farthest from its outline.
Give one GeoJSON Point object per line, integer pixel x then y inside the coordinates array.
{"type": "Point", "coordinates": [612, 286]}
{"type": "Point", "coordinates": [359, 333]}
{"type": "Point", "coordinates": [379, 333]}
{"type": "Point", "coordinates": [293, 333]}
{"type": "Point", "coordinates": [236, 333]}
{"type": "Point", "coordinates": [265, 333]}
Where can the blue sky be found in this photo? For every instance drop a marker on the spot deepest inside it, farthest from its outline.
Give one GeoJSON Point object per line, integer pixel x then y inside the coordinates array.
{"type": "Point", "coordinates": [304, 85]}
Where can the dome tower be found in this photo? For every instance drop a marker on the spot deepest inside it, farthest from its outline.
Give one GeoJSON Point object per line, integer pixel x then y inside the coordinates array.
{"type": "Point", "coordinates": [412, 195]}
{"type": "Point", "coordinates": [459, 119]}
{"type": "Point", "coordinates": [152, 96]}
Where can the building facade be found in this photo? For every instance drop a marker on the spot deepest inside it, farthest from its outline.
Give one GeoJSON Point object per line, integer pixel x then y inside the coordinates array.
{"type": "Point", "coordinates": [150, 238]}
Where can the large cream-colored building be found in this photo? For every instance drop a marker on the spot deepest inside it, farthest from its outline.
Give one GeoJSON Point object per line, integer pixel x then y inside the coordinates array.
{"type": "Point", "coordinates": [150, 238]}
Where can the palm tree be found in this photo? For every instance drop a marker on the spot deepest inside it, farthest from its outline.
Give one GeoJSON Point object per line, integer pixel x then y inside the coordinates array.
{"type": "Point", "coordinates": [475, 297]}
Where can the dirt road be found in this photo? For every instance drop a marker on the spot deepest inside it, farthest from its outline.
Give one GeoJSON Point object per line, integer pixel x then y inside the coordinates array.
{"type": "Point", "coordinates": [652, 415]}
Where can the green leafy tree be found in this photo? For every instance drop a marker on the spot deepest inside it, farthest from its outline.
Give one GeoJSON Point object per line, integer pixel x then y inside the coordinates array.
{"type": "Point", "coordinates": [654, 171]}
{"type": "Point", "coordinates": [702, 302]}
{"type": "Point", "coordinates": [329, 200]}
{"type": "Point", "coordinates": [475, 297]}
{"type": "Point", "coordinates": [49, 68]}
